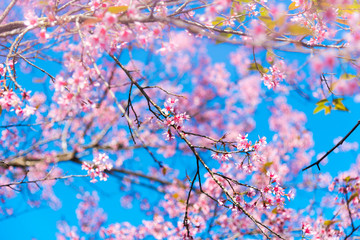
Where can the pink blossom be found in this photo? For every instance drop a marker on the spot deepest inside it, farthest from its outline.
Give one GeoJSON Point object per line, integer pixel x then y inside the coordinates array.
{"type": "Point", "coordinates": [2, 70]}
{"type": "Point", "coordinates": [43, 36]}
{"type": "Point", "coordinates": [31, 19]}
{"type": "Point", "coordinates": [240, 59]}
{"type": "Point", "coordinates": [95, 169]}
{"type": "Point", "coordinates": [307, 229]}
{"type": "Point", "coordinates": [273, 177]}
{"type": "Point", "coordinates": [9, 99]}
{"type": "Point", "coordinates": [28, 111]}
{"type": "Point", "coordinates": [110, 19]}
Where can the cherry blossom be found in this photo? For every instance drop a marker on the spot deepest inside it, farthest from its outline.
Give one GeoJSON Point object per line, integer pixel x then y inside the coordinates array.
{"type": "Point", "coordinates": [200, 111]}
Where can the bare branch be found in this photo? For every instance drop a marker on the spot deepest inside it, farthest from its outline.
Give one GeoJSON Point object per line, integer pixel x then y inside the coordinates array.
{"type": "Point", "coordinates": [332, 149]}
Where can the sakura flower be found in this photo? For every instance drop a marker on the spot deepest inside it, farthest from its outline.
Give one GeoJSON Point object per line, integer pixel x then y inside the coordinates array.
{"type": "Point", "coordinates": [43, 36]}
{"type": "Point", "coordinates": [307, 229]}
{"type": "Point", "coordinates": [28, 111]}
{"type": "Point", "coordinates": [2, 70]}
{"type": "Point", "coordinates": [25, 95]}
{"type": "Point", "coordinates": [242, 142]}
{"type": "Point", "coordinates": [97, 167]}
{"type": "Point", "coordinates": [226, 157]}
{"type": "Point", "coordinates": [260, 143]}
{"type": "Point", "coordinates": [273, 177]}
{"type": "Point", "coordinates": [109, 19]}
{"type": "Point", "coordinates": [168, 135]}
{"type": "Point", "coordinates": [249, 168]}
{"type": "Point", "coordinates": [278, 190]}
{"type": "Point", "coordinates": [277, 74]}
{"type": "Point", "coordinates": [242, 138]}
{"type": "Point", "coordinates": [31, 19]}
{"type": "Point", "coordinates": [215, 156]}
{"type": "Point", "coordinates": [170, 105]}
{"type": "Point", "coordinates": [222, 202]}
{"type": "Point", "coordinates": [291, 194]}
{"type": "Point", "coordinates": [9, 99]}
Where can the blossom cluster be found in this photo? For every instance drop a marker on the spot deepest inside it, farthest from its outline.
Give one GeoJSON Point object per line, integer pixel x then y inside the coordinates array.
{"type": "Point", "coordinates": [244, 144]}
{"type": "Point", "coordinates": [174, 118]}
{"type": "Point", "coordinates": [98, 167]}
{"type": "Point", "coordinates": [277, 74]}
{"type": "Point", "coordinates": [274, 192]}
{"type": "Point", "coordinates": [9, 100]}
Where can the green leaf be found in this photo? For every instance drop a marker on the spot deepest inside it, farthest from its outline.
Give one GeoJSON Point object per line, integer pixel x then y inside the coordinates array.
{"type": "Point", "coordinates": [117, 9]}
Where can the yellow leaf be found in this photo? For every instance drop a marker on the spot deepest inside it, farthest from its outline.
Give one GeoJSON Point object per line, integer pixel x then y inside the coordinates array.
{"type": "Point", "coordinates": [281, 20]}
{"type": "Point", "coordinates": [330, 222]}
{"type": "Point", "coordinates": [225, 35]}
{"type": "Point", "coordinates": [327, 110]}
{"type": "Point", "coordinates": [274, 211]}
{"type": "Point", "coordinates": [319, 108]}
{"type": "Point", "coordinates": [218, 21]}
{"type": "Point", "coordinates": [91, 21]}
{"type": "Point", "coordinates": [354, 195]}
{"type": "Point", "coordinates": [45, 3]}
{"type": "Point", "coordinates": [347, 179]}
{"type": "Point", "coordinates": [339, 105]}
{"type": "Point", "coordinates": [296, 29]}
{"type": "Point", "coordinates": [268, 21]}
{"type": "Point", "coordinates": [164, 170]}
{"type": "Point", "coordinates": [350, 8]}
{"type": "Point", "coordinates": [266, 166]}
{"type": "Point", "coordinates": [117, 9]}
{"type": "Point", "coordinates": [258, 67]}
{"type": "Point", "coordinates": [322, 101]}
{"type": "Point", "coordinates": [347, 76]}
{"type": "Point", "coordinates": [293, 6]}
{"type": "Point", "coordinates": [342, 21]}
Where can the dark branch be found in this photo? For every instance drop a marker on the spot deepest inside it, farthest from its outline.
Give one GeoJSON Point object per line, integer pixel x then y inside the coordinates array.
{"type": "Point", "coordinates": [337, 145]}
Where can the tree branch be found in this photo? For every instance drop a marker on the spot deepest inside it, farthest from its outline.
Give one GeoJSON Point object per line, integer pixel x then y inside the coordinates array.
{"type": "Point", "coordinates": [332, 149]}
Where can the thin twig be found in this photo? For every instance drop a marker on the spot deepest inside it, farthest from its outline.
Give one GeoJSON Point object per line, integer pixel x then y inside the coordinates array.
{"type": "Point", "coordinates": [330, 151]}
